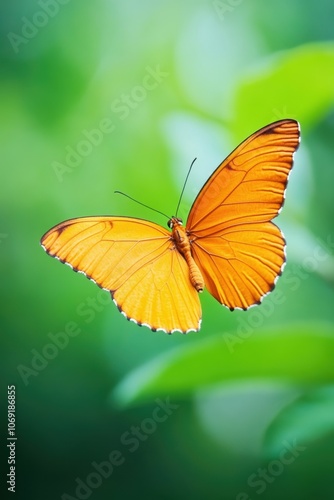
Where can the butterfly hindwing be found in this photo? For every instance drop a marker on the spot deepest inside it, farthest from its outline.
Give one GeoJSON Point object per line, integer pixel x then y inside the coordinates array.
{"type": "Point", "coordinates": [241, 265]}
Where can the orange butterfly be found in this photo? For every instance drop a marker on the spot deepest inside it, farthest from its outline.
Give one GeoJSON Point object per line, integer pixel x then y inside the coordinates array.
{"type": "Point", "coordinates": [229, 244]}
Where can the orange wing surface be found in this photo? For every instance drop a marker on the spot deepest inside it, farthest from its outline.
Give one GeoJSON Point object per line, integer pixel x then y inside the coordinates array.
{"type": "Point", "coordinates": [136, 260]}
{"type": "Point", "coordinates": [229, 244]}
{"type": "Point", "coordinates": [237, 248]}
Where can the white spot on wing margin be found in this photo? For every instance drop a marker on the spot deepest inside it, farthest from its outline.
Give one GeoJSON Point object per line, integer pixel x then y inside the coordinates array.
{"type": "Point", "coordinates": [169, 332]}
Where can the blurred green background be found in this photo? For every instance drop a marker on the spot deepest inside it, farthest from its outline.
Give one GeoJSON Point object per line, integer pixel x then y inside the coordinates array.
{"type": "Point", "coordinates": [99, 96]}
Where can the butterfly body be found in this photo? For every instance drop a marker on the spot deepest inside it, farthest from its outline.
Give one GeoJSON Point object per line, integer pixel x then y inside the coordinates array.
{"type": "Point", "coordinates": [229, 244]}
{"type": "Point", "coordinates": [182, 242]}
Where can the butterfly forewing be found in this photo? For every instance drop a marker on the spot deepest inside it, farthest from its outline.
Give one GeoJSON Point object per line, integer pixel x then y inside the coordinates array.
{"type": "Point", "coordinates": [248, 186]}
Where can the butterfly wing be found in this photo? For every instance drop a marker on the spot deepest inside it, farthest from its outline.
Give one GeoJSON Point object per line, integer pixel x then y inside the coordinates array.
{"type": "Point", "coordinates": [239, 251]}
{"type": "Point", "coordinates": [137, 262]}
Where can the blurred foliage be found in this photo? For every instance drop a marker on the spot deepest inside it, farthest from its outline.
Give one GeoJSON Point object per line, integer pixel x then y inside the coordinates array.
{"type": "Point", "coordinates": [244, 354]}
{"type": "Point", "coordinates": [123, 95]}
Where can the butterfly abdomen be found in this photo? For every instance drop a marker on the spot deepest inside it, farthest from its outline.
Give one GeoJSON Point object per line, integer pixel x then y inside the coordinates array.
{"type": "Point", "coordinates": [182, 244]}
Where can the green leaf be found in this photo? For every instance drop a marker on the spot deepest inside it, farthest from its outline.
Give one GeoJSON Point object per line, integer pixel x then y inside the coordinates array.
{"type": "Point", "coordinates": [308, 418]}
{"type": "Point", "coordinates": [296, 84]}
{"type": "Point", "coordinates": [300, 354]}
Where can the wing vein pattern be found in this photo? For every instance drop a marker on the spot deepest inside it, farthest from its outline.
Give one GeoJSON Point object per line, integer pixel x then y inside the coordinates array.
{"type": "Point", "coordinates": [239, 251]}
{"type": "Point", "coordinates": [137, 262]}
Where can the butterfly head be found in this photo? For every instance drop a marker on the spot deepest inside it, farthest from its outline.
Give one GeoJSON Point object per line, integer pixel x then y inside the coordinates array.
{"type": "Point", "coordinates": [174, 221]}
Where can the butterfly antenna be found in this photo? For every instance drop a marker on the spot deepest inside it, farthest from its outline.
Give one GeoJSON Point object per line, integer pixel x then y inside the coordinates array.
{"type": "Point", "coordinates": [184, 185]}
{"type": "Point", "coordinates": [143, 204]}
